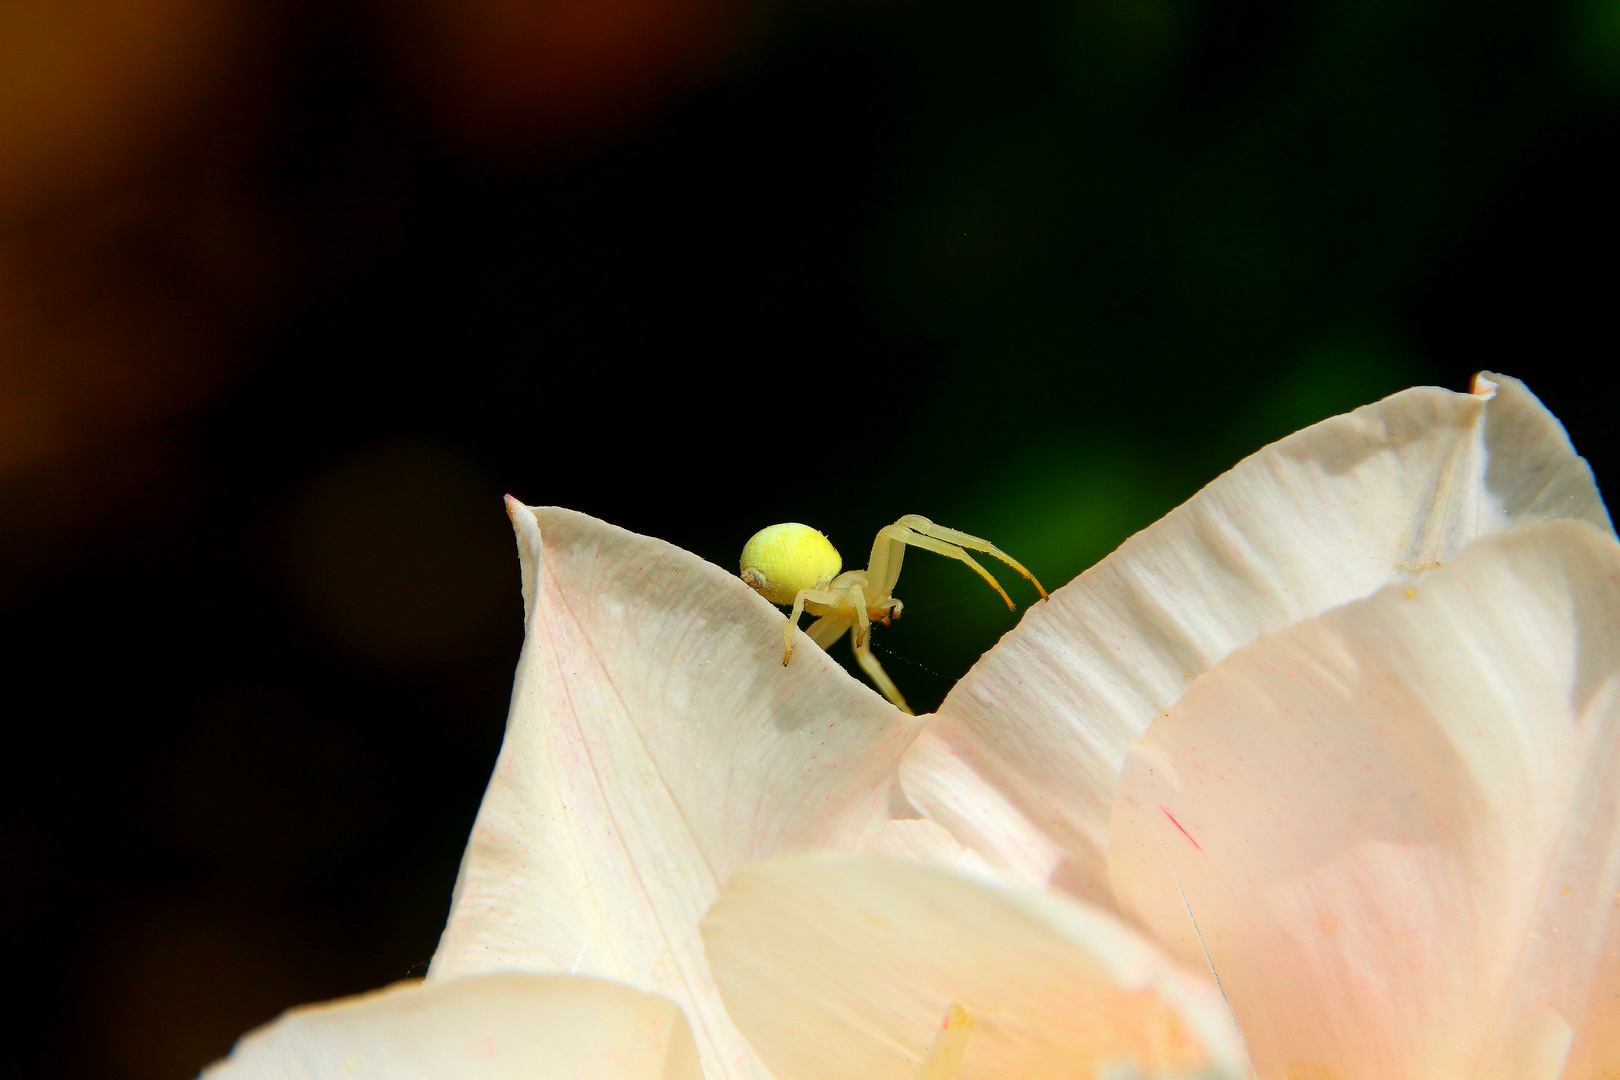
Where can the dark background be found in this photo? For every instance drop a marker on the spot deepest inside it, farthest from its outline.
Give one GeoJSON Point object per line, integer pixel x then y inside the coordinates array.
{"type": "Point", "coordinates": [291, 293]}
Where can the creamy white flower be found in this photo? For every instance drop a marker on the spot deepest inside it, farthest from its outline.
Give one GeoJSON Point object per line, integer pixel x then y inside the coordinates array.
{"type": "Point", "coordinates": [658, 757]}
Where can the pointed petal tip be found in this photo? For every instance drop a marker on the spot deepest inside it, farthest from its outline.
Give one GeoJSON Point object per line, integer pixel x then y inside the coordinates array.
{"type": "Point", "coordinates": [1483, 385]}
{"type": "Point", "coordinates": [517, 511]}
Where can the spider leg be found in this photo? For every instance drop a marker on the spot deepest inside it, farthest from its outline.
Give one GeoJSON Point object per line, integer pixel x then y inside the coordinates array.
{"type": "Point", "coordinates": [973, 543]}
{"type": "Point", "coordinates": [827, 629]}
{"type": "Point", "coordinates": [818, 596]}
{"type": "Point", "coordinates": [859, 639]}
{"type": "Point", "coordinates": [883, 568]}
{"type": "Point", "coordinates": [922, 540]}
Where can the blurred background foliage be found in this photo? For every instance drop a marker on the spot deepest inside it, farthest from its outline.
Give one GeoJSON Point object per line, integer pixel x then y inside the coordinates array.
{"type": "Point", "coordinates": [292, 292]}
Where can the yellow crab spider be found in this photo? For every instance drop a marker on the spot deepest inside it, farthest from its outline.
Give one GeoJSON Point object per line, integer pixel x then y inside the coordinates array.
{"type": "Point", "coordinates": [794, 564]}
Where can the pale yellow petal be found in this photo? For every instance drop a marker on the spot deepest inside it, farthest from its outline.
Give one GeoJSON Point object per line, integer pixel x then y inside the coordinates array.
{"type": "Point", "coordinates": [1397, 825]}
{"type": "Point", "coordinates": [489, 1027]}
{"type": "Point", "coordinates": [847, 966]}
{"type": "Point", "coordinates": [655, 743]}
{"type": "Point", "coordinates": [1328, 515]}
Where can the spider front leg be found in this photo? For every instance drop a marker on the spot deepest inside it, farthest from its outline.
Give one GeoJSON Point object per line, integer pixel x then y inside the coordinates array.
{"type": "Point", "coordinates": [814, 596]}
{"type": "Point", "coordinates": [900, 533]}
{"type": "Point", "coordinates": [973, 543]}
{"type": "Point", "coordinates": [860, 641]}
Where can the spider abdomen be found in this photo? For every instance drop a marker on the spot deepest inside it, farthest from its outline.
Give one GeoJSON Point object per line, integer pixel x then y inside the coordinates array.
{"type": "Point", "coordinates": [780, 560]}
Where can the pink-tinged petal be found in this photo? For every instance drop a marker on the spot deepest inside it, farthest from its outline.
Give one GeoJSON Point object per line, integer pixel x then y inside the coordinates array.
{"type": "Point", "coordinates": [846, 966]}
{"type": "Point", "coordinates": [655, 744]}
{"type": "Point", "coordinates": [1600, 1048]}
{"type": "Point", "coordinates": [1398, 825]}
{"type": "Point", "coordinates": [1328, 515]}
{"type": "Point", "coordinates": [492, 1027]}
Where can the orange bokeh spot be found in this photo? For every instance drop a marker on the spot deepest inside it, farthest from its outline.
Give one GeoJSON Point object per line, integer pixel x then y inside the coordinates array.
{"type": "Point", "coordinates": [509, 73]}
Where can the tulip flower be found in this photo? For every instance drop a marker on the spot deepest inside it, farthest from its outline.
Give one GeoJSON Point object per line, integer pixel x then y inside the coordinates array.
{"type": "Point", "coordinates": [1313, 777]}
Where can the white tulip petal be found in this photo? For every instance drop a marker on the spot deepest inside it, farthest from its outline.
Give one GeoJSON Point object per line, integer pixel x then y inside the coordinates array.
{"type": "Point", "coordinates": [980, 817]}
{"type": "Point", "coordinates": [846, 966]}
{"type": "Point", "coordinates": [1398, 824]}
{"type": "Point", "coordinates": [655, 743]}
{"type": "Point", "coordinates": [921, 840]}
{"type": "Point", "coordinates": [1328, 515]}
{"type": "Point", "coordinates": [492, 1027]}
